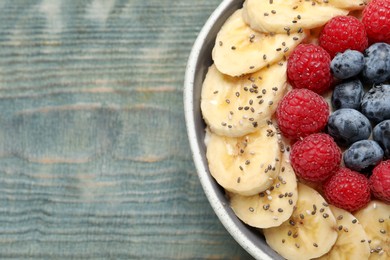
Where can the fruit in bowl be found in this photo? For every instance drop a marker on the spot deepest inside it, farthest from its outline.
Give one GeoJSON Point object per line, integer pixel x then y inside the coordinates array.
{"type": "Point", "coordinates": [272, 141]}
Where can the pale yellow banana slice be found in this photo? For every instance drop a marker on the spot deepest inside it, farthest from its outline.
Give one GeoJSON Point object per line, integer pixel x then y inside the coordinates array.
{"type": "Point", "coordinates": [272, 207]}
{"type": "Point", "coordinates": [280, 16]}
{"type": "Point", "coordinates": [311, 230]}
{"type": "Point", "coordinates": [240, 50]}
{"type": "Point", "coordinates": [245, 165]}
{"type": "Point", "coordinates": [239, 106]}
{"type": "Point", "coordinates": [350, 5]}
{"type": "Point", "coordinates": [375, 219]}
{"type": "Point", "coordinates": [352, 241]}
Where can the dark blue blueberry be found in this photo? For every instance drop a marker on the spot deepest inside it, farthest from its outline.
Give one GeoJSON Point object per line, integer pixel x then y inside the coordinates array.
{"type": "Point", "coordinates": [381, 134]}
{"type": "Point", "coordinates": [347, 126]}
{"type": "Point", "coordinates": [347, 64]}
{"type": "Point", "coordinates": [363, 155]}
{"type": "Point", "coordinates": [376, 103]}
{"type": "Point", "coordinates": [377, 63]}
{"type": "Point", "coordinates": [348, 95]}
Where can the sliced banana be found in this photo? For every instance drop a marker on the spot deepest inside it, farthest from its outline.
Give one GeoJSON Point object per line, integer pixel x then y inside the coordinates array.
{"type": "Point", "coordinates": [310, 231]}
{"type": "Point", "coordinates": [352, 241]}
{"type": "Point", "coordinates": [272, 207]}
{"type": "Point", "coordinates": [290, 16]}
{"type": "Point", "coordinates": [348, 4]}
{"type": "Point", "coordinates": [239, 50]}
{"type": "Point", "coordinates": [245, 165]}
{"type": "Point", "coordinates": [375, 219]}
{"type": "Point", "coordinates": [239, 106]}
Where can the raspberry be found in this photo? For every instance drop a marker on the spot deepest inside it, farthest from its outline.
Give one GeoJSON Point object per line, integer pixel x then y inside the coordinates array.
{"type": "Point", "coordinates": [316, 157]}
{"type": "Point", "coordinates": [301, 112]}
{"type": "Point", "coordinates": [380, 181]}
{"type": "Point", "coordinates": [347, 189]}
{"type": "Point", "coordinates": [342, 33]}
{"type": "Point", "coordinates": [309, 67]}
{"type": "Point", "coordinates": [376, 19]}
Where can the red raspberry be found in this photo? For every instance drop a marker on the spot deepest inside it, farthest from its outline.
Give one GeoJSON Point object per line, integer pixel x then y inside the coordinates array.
{"type": "Point", "coordinates": [309, 67]}
{"type": "Point", "coordinates": [302, 112]}
{"type": "Point", "coordinates": [347, 189]}
{"type": "Point", "coordinates": [316, 157]}
{"type": "Point", "coordinates": [380, 181]}
{"type": "Point", "coordinates": [342, 33]}
{"type": "Point", "coordinates": [376, 19]}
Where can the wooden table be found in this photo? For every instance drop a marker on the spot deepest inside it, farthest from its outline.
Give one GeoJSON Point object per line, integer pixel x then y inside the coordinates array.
{"type": "Point", "coordinates": [94, 157]}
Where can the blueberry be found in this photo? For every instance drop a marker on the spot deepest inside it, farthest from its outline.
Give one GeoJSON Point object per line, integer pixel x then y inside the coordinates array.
{"type": "Point", "coordinates": [347, 64]}
{"type": "Point", "coordinates": [381, 134]}
{"type": "Point", "coordinates": [376, 103]}
{"type": "Point", "coordinates": [347, 126]}
{"type": "Point", "coordinates": [377, 63]}
{"type": "Point", "coordinates": [348, 95]}
{"type": "Point", "coordinates": [363, 155]}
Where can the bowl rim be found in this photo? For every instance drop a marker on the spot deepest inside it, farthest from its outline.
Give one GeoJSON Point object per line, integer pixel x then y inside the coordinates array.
{"type": "Point", "coordinates": [218, 206]}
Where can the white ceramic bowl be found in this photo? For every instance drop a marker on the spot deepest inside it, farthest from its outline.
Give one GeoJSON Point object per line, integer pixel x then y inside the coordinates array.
{"type": "Point", "coordinates": [199, 61]}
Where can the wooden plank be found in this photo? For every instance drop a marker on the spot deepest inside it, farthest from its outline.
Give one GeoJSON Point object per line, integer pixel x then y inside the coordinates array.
{"type": "Point", "coordinates": [94, 158]}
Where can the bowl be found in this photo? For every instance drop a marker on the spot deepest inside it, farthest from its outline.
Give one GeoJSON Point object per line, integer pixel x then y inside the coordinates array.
{"type": "Point", "coordinates": [199, 61]}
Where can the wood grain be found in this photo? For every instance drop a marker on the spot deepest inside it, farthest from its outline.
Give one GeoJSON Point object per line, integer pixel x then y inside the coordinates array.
{"type": "Point", "coordinates": [94, 158]}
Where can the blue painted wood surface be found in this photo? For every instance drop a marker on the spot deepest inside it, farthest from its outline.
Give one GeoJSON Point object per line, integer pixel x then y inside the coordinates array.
{"type": "Point", "coordinates": [94, 157]}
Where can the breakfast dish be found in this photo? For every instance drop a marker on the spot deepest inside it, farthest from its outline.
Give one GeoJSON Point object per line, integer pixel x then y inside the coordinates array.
{"type": "Point", "coordinates": [297, 113]}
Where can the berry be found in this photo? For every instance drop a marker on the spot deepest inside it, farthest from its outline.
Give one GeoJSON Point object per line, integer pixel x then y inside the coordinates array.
{"type": "Point", "coordinates": [377, 63]}
{"type": "Point", "coordinates": [347, 189]}
{"type": "Point", "coordinates": [376, 103]}
{"type": "Point", "coordinates": [309, 67]}
{"type": "Point", "coordinates": [376, 20]}
{"type": "Point", "coordinates": [347, 64]}
{"type": "Point", "coordinates": [380, 181]}
{"type": "Point", "coordinates": [363, 155]}
{"type": "Point", "coordinates": [315, 157]}
{"type": "Point", "coordinates": [381, 134]}
{"type": "Point", "coordinates": [342, 33]}
{"type": "Point", "coordinates": [348, 95]}
{"type": "Point", "coordinates": [347, 126]}
{"type": "Point", "coordinates": [301, 112]}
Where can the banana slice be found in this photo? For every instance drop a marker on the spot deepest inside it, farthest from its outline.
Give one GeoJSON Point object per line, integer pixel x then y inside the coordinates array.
{"type": "Point", "coordinates": [280, 16]}
{"type": "Point", "coordinates": [238, 106]}
{"type": "Point", "coordinates": [311, 230]}
{"type": "Point", "coordinates": [375, 219]}
{"type": "Point", "coordinates": [352, 241]}
{"type": "Point", "coordinates": [240, 50]}
{"type": "Point", "coordinates": [348, 4]}
{"type": "Point", "coordinates": [271, 207]}
{"type": "Point", "coordinates": [246, 165]}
